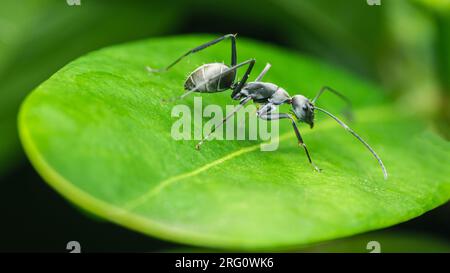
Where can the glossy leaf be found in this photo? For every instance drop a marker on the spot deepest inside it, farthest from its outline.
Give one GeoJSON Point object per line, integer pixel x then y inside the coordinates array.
{"type": "Point", "coordinates": [98, 132]}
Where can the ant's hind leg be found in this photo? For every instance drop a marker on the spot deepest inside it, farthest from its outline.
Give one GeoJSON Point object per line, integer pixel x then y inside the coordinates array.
{"type": "Point", "coordinates": [277, 116]}
{"type": "Point", "coordinates": [201, 47]}
{"type": "Point", "coordinates": [178, 98]}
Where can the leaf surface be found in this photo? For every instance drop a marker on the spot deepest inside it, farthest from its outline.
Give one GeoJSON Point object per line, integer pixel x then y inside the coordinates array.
{"type": "Point", "coordinates": [98, 132]}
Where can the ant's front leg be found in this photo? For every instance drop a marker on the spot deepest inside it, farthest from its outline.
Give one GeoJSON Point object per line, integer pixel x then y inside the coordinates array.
{"type": "Point", "coordinates": [265, 114]}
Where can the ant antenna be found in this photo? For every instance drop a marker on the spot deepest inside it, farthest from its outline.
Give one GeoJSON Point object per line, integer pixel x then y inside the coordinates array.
{"type": "Point", "coordinates": [347, 110]}
{"type": "Point", "coordinates": [358, 137]}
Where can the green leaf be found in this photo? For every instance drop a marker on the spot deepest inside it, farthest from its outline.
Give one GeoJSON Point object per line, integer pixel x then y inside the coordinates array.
{"type": "Point", "coordinates": [98, 133]}
{"type": "Point", "coordinates": [389, 242]}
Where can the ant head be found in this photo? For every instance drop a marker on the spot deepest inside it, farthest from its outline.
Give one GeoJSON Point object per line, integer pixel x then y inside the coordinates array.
{"type": "Point", "coordinates": [303, 109]}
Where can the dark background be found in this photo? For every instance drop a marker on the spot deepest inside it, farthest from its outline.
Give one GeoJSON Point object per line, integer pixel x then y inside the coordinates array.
{"type": "Point", "coordinates": [401, 45]}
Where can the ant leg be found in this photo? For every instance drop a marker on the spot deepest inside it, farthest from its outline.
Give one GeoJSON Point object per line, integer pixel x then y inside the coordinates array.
{"type": "Point", "coordinates": [241, 84]}
{"type": "Point", "coordinates": [266, 109]}
{"type": "Point", "coordinates": [201, 47]}
{"type": "Point", "coordinates": [241, 104]}
{"type": "Point", "coordinates": [263, 73]}
{"type": "Point", "coordinates": [347, 110]}
{"type": "Point", "coordinates": [237, 88]}
{"type": "Point", "coordinates": [277, 116]}
{"type": "Point", "coordinates": [250, 62]}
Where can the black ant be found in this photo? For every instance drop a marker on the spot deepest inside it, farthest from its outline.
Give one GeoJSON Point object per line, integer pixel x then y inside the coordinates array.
{"type": "Point", "coordinates": [218, 77]}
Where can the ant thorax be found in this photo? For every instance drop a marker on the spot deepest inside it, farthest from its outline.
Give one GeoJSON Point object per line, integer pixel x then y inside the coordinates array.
{"type": "Point", "coordinates": [264, 92]}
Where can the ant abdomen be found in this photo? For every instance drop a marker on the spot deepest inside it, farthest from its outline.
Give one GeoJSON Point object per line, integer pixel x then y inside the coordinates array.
{"type": "Point", "coordinates": [199, 78]}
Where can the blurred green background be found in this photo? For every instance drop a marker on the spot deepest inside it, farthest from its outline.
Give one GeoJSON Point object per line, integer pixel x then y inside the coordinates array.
{"type": "Point", "coordinates": [402, 45]}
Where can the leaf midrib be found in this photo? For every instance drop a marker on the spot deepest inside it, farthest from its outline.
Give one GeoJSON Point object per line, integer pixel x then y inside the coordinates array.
{"type": "Point", "coordinates": [381, 115]}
